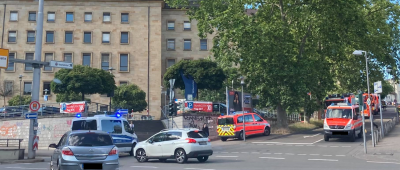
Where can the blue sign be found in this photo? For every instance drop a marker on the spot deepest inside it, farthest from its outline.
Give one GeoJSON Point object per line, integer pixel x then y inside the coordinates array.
{"type": "Point", "coordinates": [31, 116]}
{"type": "Point", "coordinates": [190, 86]}
{"type": "Point", "coordinates": [190, 105]}
{"type": "Point", "coordinates": [122, 111]}
{"type": "Point", "coordinates": [46, 97]}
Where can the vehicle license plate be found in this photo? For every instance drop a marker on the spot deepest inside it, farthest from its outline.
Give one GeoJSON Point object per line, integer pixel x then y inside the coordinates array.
{"type": "Point", "coordinates": [226, 128]}
{"type": "Point", "coordinates": [203, 143]}
{"type": "Point", "coordinates": [92, 166]}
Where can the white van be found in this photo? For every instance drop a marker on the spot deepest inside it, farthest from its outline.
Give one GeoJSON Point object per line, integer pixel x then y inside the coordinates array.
{"type": "Point", "coordinates": [123, 136]}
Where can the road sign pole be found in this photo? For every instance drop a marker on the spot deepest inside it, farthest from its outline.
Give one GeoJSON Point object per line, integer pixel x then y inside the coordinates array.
{"type": "Point", "coordinates": [380, 110]}
{"type": "Point", "coordinates": [36, 78]}
{"type": "Point", "coordinates": [361, 103]}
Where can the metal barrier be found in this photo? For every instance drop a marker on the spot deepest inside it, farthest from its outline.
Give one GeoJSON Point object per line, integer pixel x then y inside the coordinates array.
{"type": "Point", "coordinates": [387, 128]}
{"type": "Point", "coordinates": [7, 142]}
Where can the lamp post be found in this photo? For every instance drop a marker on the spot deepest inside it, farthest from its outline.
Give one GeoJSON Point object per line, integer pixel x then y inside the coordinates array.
{"type": "Point", "coordinates": [360, 53]}
{"type": "Point", "coordinates": [20, 91]}
{"type": "Point", "coordinates": [45, 101]}
{"type": "Point", "coordinates": [111, 94]}
{"type": "Point", "coordinates": [244, 122]}
{"type": "Point", "coordinates": [389, 70]}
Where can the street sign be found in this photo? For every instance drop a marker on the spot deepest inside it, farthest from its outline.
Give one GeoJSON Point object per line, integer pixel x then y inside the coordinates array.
{"type": "Point", "coordinates": [122, 111]}
{"type": "Point", "coordinates": [35, 143]}
{"type": "Point", "coordinates": [378, 87]}
{"type": "Point", "coordinates": [368, 101]}
{"type": "Point", "coordinates": [31, 116]}
{"type": "Point", "coordinates": [190, 105]}
{"type": "Point", "coordinates": [60, 64]}
{"type": "Point", "coordinates": [46, 97]}
{"type": "Point", "coordinates": [34, 106]}
{"type": "Point", "coordinates": [4, 58]}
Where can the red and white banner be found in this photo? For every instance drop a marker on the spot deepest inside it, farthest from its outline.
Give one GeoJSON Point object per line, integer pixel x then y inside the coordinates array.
{"type": "Point", "coordinates": [73, 107]}
{"type": "Point", "coordinates": [35, 143]}
{"type": "Point", "coordinates": [199, 106]}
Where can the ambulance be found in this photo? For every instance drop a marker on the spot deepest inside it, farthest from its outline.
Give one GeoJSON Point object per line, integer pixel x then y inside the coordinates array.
{"type": "Point", "coordinates": [342, 120]}
{"type": "Point", "coordinates": [337, 98]}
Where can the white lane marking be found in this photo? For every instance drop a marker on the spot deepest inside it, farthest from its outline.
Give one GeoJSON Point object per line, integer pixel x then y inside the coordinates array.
{"type": "Point", "coordinates": [334, 146]}
{"type": "Point", "coordinates": [310, 145]}
{"type": "Point", "coordinates": [323, 160]}
{"type": "Point", "coordinates": [289, 153]}
{"type": "Point", "coordinates": [226, 156]}
{"type": "Point", "coordinates": [384, 162]}
{"type": "Point", "coordinates": [199, 169]}
{"type": "Point", "coordinates": [314, 154]}
{"type": "Point", "coordinates": [317, 141]}
{"type": "Point", "coordinates": [270, 144]}
{"type": "Point", "coordinates": [312, 135]}
{"type": "Point", "coordinates": [340, 155]}
{"type": "Point", "coordinates": [346, 146]}
{"type": "Point", "coordinates": [271, 158]}
{"type": "Point", "coordinates": [153, 167]}
{"type": "Point", "coordinates": [260, 144]}
{"type": "Point", "coordinates": [282, 143]}
{"type": "Point", "coordinates": [234, 152]}
{"type": "Point", "coordinates": [326, 155]}
{"type": "Point", "coordinates": [299, 145]}
{"type": "Point", "coordinates": [224, 152]}
{"type": "Point", "coordinates": [21, 168]}
{"type": "Point", "coordinates": [245, 152]}
{"type": "Point", "coordinates": [302, 154]}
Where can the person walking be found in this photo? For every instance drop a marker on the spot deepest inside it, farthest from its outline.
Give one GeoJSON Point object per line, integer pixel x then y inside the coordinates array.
{"type": "Point", "coordinates": [132, 125]}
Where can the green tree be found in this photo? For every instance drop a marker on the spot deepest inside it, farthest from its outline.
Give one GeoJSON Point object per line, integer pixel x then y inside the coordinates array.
{"type": "Point", "coordinates": [129, 97]}
{"type": "Point", "coordinates": [205, 72]}
{"type": "Point", "coordinates": [15, 101]}
{"type": "Point", "coordinates": [387, 88]}
{"type": "Point", "coordinates": [69, 96]}
{"type": "Point", "coordinates": [83, 80]}
{"type": "Point", "coordinates": [288, 48]}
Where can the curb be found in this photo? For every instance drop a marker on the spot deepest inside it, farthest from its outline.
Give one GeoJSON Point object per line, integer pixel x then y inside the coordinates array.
{"type": "Point", "coordinates": [21, 161]}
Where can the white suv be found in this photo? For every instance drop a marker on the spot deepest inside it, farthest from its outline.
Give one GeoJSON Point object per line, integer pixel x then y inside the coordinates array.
{"type": "Point", "coordinates": [179, 144]}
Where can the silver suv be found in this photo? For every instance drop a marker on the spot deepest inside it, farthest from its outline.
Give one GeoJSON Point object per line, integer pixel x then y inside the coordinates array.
{"type": "Point", "coordinates": [84, 150]}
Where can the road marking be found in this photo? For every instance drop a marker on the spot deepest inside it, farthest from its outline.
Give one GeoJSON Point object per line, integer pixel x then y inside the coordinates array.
{"type": "Point", "coordinates": [224, 152]}
{"type": "Point", "coordinates": [271, 158]}
{"type": "Point", "coordinates": [226, 156]}
{"type": "Point", "coordinates": [278, 153]}
{"type": "Point", "coordinates": [153, 167]}
{"type": "Point", "coordinates": [317, 141]}
{"type": "Point", "coordinates": [289, 153]}
{"type": "Point", "coordinates": [299, 145]}
{"type": "Point", "coordinates": [323, 160]}
{"type": "Point", "coordinates": [314, 154]}
{"type": "Point", "coordinates": [255, 152]}
{"type": "Point", "coordinates": [270, 144]}
{"type": "Point", "coordinates": [326, 155]}
{"type": "Point", "coordinates": [310, 145]}
{"type": "Point", "coordinates": [234, 152]}
{"type": "Point", "coordinates": [302, 154]}
{"type": "Point", "coordinates": [340, 155]}
{"type": "Point", "coordinates": [198, 169]}
{"type": "Point", "coordinates": [384, 162]}
{"type": "Point", "coordinates": [334, 146]}
{"type": "Point", "coordinates": [21, 168]}
{"type": "Point", "coordinates": [312, 135]}
{"type": "Point", "coordinates": [267, 153]}
{"type": "Point", "coordinates": [346, 146]}
{"type": "Point", "coordinates": [282, 143]}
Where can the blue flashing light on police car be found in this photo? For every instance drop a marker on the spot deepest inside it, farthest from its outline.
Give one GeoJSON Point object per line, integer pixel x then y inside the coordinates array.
{"type": "Point", "coordinates": [78, 115]}
{"type": "Point", "coordinates": [118, 115]}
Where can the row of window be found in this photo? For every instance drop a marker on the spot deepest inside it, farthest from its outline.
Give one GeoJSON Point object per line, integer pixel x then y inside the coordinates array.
{"type": "Point", "coordinates": [106, 39]}
{"type": "Point", "coordinates": [68, 37]}
{"type": "Point", "coordinates": [68, 57]}
{"type": "Point", "coordinates": [88, 17]}
{"type": "Point", "coordinates": [8, 86]}
{"type": "Point", "coordinates": [69, 16]}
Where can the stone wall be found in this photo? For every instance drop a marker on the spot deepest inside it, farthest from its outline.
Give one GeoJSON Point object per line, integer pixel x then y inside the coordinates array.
{"type": "Point", "coordinates": [50, 130]}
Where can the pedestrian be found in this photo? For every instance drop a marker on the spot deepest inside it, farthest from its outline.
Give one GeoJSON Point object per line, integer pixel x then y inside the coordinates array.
{"type": "Point", "coordinates": [132, 125]}
{"type": "Point", "coordinates": [205, 130]}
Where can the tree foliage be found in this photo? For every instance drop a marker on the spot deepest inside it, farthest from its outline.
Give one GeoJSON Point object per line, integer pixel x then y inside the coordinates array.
{"type": "Point", "coordinates": [387, 88]}
{"type": "Point", "coordinates": [129, 97]}
{"type": "Point", "coordinates": [83, 80]}
{"type": "Point", "coordinates": [289, 48]}
{"type": "Point", "coordinates": [70, 96]}
{"type": "Point", "coordinates": [15, 101]}
{"type": "Point", "coordinates": [206, 73]}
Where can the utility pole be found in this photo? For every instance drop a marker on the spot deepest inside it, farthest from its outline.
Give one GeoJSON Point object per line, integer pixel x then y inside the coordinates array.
{"type": "Point", "coordinates": [36, 77]}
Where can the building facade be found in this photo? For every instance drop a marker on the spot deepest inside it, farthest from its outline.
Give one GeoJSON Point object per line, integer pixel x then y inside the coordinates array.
{"type": "Point", "coordinates": [139, 39]}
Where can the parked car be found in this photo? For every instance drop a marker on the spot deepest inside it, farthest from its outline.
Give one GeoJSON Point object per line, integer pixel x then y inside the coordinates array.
{"type": "Point", "coordinates": [178, 144]}
{"type": "Point", "coordinates": [84, 150]}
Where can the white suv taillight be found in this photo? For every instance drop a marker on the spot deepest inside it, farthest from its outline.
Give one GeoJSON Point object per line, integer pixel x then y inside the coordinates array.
{"type": "Point", "coordinates": [190, 140]}
{"type": "Point", "coordinates": [66, 151]}
{"type": "Point", "coordinates": [113, 151]}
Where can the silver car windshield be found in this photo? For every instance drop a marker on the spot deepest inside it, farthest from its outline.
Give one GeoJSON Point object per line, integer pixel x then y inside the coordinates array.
{"type": "Point", "coordinates": [90, 139]}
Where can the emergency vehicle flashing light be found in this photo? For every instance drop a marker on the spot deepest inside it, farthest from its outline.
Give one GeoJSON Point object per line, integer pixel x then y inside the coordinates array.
{"type": "Point", "coordinates": [78, 115]}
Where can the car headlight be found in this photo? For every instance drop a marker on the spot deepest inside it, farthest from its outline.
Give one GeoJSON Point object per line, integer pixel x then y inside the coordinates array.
{"type": "Point", "coordinates": [348, 126]}
{"type": "Point", "coordinates": [325, 125]}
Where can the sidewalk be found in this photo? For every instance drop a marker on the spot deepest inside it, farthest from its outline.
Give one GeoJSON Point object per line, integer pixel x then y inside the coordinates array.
{"type": "Point", "coordinates": [387, 150]}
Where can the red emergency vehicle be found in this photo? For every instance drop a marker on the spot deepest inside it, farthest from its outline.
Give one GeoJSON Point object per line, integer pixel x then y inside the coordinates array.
{"type": "Point", "coordinates": [337, 98]}
{"type": "Point", "coordinates": [374, 105]}
{"type": "Point", "coordinates": [343, 120]}
{"type": "Point", "coordinates": [231, 126]}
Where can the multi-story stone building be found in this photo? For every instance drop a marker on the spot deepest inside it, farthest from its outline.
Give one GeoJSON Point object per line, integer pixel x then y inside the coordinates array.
{"type": "Point", "coordinates": [140, 39]}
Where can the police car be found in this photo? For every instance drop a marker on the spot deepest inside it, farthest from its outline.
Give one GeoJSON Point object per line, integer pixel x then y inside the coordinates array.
{"type": "Point", "coordinates": [123, 135]}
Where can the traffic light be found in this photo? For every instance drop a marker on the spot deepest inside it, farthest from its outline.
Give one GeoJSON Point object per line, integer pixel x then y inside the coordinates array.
{"type": "Point", "coordinates": [175, 112]}
{"type": "Point", "coordinates": [171, 109]}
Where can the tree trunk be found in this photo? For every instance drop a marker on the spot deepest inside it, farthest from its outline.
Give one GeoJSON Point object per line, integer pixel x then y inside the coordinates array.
{"type": "Point", "coordinates": [281, 116]}
{"type": "Point", "coordinates": [307, 117]}
{"type": "Point", "coordinates": [4, 101]}
{"type": "Point", "coordinates": [83, 96]}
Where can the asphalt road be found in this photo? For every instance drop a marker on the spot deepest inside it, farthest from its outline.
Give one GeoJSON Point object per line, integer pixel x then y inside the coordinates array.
{"type": "Point", "coordinates": [305, 151]}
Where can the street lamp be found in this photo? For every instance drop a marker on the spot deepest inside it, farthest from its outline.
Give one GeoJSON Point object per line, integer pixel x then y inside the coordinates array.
{"type": "Point", "coordinates": [389, 70]}
{"type": "Point", "coordinates": [111, 93]}
{"type": "Point", "coordinates": [244, 126]}
{"type": "Point", "coordinates": [360, 53]}
{"type": "Point", "coordinates": [20, 91]}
